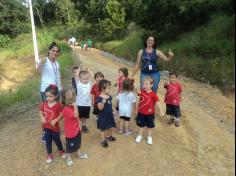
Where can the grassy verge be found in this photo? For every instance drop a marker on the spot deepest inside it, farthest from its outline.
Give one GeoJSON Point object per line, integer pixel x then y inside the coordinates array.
{"type": "Point", "coordinates": [206, 54]}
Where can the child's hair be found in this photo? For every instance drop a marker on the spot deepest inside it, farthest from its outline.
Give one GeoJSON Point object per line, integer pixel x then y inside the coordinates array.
{"type": "Point", "coordinates": [98, 74]}
{"type": "Point", "coordinates": [75, 68]}
{"type": "Point", "coordinates": [125, 71]}
{"type": "Point", "coordinates": [65, 96]}
{"type": "Point", "coordinates": [52, 89]}
{"type": "Point", "coordinates": [148, 78]}
{"type": "Point", "coordinates": [173, 73]}
{"type": "Point", "coordinates": [82, 73]}
{"type": "Point", "coordinates": [103, 84]}
{"type": "Point", "coordinates": [128, 85]}
{"type": "Point", "coordinates": [53, 44]}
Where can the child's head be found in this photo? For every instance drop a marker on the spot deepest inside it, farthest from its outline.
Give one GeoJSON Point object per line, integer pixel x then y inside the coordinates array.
{"type": "Point", "coordinates": [51, 93]}
{"type": "Point", "coordinates": [98, 76]}
{"type": "Point", "coordinates": [104, 86]}
{"type": "Point", "coordinates": [172, 76]}
{"type": "Point", "coordinates": [128, 85]}
{"type": "Point", "coordinates": [74, 70]}
{"type": "Point", "coordinates": [147, 83]}
{"type": "Point", "coordinates": [68, 96]}
{"type": "Point", "coordinates": [123, 72]}
{"type": "Point", "coordinates": [84, 76]}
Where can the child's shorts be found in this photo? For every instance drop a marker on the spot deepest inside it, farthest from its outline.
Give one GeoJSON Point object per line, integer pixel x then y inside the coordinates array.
{"type": "Point", "coordinates": [125, 118]}
{"type": "Point", "coordinates": [84, 111]}
{"type": "Point", "coordinates": [95, 110]}
{"type": "Point", "coordinates": [73, 144]}
{"type": "Point", "coordinates": [173, 110]}
{"type": "Point", "coordinates": [143, 120]}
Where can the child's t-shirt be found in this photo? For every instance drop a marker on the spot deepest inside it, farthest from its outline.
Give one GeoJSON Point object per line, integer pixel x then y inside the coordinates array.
{"type": "Point", "coordinates": [51, 113]}
{"type": "Point", "coordinates": [173, 91]}
{"type": "Point", "coordinates": [83, 97]}
{"type": "Point", "coordinates": [126, 100]}
{"type": "Point", "coordinates": [147, 102]}
{"type": "Point", "coordinates": [120, 83]}
{"type": "Point", "coordinates": [95, 91]}
{"type": "Point", "coordinates": [71, 123]}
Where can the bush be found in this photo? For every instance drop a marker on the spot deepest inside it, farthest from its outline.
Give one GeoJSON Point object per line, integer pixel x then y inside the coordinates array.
{"type": "Point", "coordinates": [4, 41]}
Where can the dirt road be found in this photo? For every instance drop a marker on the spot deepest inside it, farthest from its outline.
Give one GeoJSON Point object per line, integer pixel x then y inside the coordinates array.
{"type": "Point", "coordinates": [204, 144]}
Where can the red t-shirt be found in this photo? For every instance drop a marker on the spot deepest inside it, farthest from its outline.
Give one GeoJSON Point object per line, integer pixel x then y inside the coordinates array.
{"type": "Point", "coordinates": [120, 83]}
{"type": "Point", "coordinates": [173, 91]}
{"type": "Point", "coordinates": [95, 91]}
{"type": "Point", "coordinates": [147, 102]}
{"type": "Point", "coordinates": [50, 113]}
{"type": "Point", "coordinates": [71, 123]}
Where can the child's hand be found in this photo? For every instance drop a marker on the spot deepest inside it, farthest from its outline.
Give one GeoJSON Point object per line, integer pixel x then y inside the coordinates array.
{"type": "Point", "coordinates": [53, 122]}
{"type": "Point", "coordinates": [181, 99]}
{"type": "Point", "coordinates": [162, 114]}
{"type": "Point", "coordinates": [170, 53]}
{"type": "Point", "coordinates": [43, 120]}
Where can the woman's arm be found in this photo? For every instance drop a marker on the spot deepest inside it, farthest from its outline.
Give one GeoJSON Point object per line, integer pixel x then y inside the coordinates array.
{"type": "Point", "coordinates": [137, 64]}
{"type": "Point", "coordinates": [164, 57]}
{"type": "Point", "coordinates": [40, 64]}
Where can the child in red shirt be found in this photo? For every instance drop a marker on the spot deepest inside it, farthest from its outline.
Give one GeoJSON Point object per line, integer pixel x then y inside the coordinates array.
{"type": "Point", "coordinates": [95, 91]}
{"type": "Point", "coordinates": [146, 109]}
{"type": "Point", "coordinates": [173, 98]}
{"type": "Point", "coordinates": [50, 113]}
{"type": "Point", "coordinates": [122, 75]}
{"type": "Point", "coordinates": [72, 127]}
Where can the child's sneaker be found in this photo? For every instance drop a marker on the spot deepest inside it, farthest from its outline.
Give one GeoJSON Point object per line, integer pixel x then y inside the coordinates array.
{"type": "Point", "coordinates": [69, 162]}
{"type": "Point", "coordinates": [63, 154]}
{"type": "Point", "coordinates": [138, 139]}
{"type": "Point", "coordinates": [149, 140]}
{"type": "Point", "coordinates": [85, 129]}
{"type": "Point", "coordinates": [177, 123]}
{"type": "Point", "coordinates": [49, 159]}
{"type": "Point", "coordinates": [111, 138]}
{"type": "Point", "coordinates": [128, 133]}
{"type": "Point", "coordinates": [104, 144]}
{"type": "Point", "coordinates": [171, 121]}
{"type": "Point", "coordinates": [120, 131]}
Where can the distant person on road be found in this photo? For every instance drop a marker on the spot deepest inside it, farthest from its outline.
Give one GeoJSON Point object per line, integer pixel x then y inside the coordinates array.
{"type": "Point", "coordinates": [147, 59]}
{"type": "Point", "coordinates": [173, 98]}
{"type": "Point", "coordinates": [49, 69]}
{"type": "Point", "coordinates": [90, 44]}
{"type": "Point", "coordinates": [50, 113]}
{"type": "Point", "coordinates": [71, 126]}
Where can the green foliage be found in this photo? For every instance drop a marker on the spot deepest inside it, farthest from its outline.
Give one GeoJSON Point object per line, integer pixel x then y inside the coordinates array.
{"type": "Point", "coordinates": [13, 17]}
{"type": "Point", "coordinates": [4, 40]}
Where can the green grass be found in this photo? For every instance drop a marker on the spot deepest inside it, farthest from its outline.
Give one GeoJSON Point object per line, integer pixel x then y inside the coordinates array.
{"type": "Point", "coordinates": [29, 90]}
{"type": "Point", "coordinates": [206, 54]}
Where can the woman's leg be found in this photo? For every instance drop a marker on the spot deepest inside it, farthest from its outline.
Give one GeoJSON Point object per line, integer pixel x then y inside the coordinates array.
{"type": "Point", "coordinates": [156, 77]}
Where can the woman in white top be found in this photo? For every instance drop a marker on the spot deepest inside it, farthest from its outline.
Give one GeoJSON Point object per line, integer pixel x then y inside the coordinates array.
{"type": "Point", "coordinates": [50, 70]}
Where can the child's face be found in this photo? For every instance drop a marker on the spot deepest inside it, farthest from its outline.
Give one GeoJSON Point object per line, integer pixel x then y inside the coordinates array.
{"type": "Point", "coordinates": [69, 97]}
{"type": "Point", "coordinates": [84, 78]}
{"type": "Point", "coordinates": [50, 97]}
{"type": "Point", "coordinates": [74, 72]}
{"type": "Point", "coordinates": [172, 78]}
{"type": "Point", "coordinates": [107, 90]}
{"type": "Point", "coordinates": [120, 73]}
{"type": "Point", "coordinates": [147, 86]}
{"type": "Point", "coordinates": [98, 78]}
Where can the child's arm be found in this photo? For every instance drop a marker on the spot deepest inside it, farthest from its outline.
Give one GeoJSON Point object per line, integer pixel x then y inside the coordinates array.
{"type": "Point", "coordinates": [166, 84]}
{"type": "Point", "coordinates": [43, 120]}
{"type": "Point", "coordinates": [101, 105]}
{"type": "Point", "coordinates": [90, 73]}
{"type": "Point", "coordinates": [54, 121]}
{"type": "Point", "coordinates": [134, 109]}
{"type": "Point", "coordinates": [160, 108]}
{"type": "Point", "coordinates": [92, 98]}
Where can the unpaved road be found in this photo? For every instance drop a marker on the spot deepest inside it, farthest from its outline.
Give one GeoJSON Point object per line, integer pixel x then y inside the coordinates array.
{"type": "Point", "coordinates": [204, 144]}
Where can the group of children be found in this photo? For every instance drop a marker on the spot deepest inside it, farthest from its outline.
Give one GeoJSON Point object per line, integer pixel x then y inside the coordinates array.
{"type": "Point", "coordinates": [76, 102]}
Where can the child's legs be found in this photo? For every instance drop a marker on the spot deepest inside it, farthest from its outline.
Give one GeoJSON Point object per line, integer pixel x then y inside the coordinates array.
{"type": "Point", "coordinates": [121, 124]}
{"type": "Point", "coordinates": [103, 135]}
{"type": "Point", "coordinates": [48, 138]}
{"type": "Point", "coordinates": [83, 120]}
{"type": "Point", "coordinates": [149, 132]}
{"type": "Point", "coordinates": [56, 138]}
{"type": "Point", "coordinates": [126, 126]}
{"type": "Point", "coordinates": [140, 131]}
{"type": "Point", "coordinates": [109, 132]}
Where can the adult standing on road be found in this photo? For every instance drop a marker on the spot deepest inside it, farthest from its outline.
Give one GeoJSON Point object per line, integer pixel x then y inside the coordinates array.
{"type": "Point", "coordinates": [49, 69]}
{"type": "Point", "coordinates": [147, 60]}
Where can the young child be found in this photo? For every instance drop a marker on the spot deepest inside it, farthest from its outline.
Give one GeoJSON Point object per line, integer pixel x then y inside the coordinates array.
{"type": "Point", "coordinates": [50, 113]}
{"type": "Point", "coordinates": [95, 91]}
{"type": "Point", "coordinates": [71, 125]}
{"type": "Point", "coordinates": [122, 75]}
{"type": "Point", "coordinates": [105, 120]}
{"type": "Point", "coordinates": [127, 103]}
{"type": "Point", "coordinates": [73, 80]}
{"type": "Point", "coordinates": [146, 109]}
{"type": "Point", "coordinates": [83, 99]}
{"type": "Point", "coordinates": [173, 98]}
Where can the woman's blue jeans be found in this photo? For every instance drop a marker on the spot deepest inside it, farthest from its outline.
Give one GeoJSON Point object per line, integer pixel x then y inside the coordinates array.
{"type": "Point", "coordinates": [156, 78]}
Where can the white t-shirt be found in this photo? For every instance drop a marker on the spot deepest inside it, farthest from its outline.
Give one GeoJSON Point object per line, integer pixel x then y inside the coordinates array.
{"type": "Point", "coordinates": [83, 94]}
{"type": "Point", "coordinates": [126, 100]}
{"type": "Point", "coordinates": [50, 74]}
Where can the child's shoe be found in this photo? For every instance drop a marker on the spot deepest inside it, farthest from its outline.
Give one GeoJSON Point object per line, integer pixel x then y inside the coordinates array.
{"type": "Point", "coordinates": [85, 129]}
{"type": "Point", "coordinates": [171, 121]}
{"type": "Point", "coordinates": [49, 159]}
{"type": "Point", "coordinates": [138, 139]}
{"type": "Point", "coordinates": [120, 131]}
{"type": "Point", "coordinates": [177, 123]}
{"type": "Point", "coordinates": [111, 138]}
{"type": "Point", "coordinates": [128, 132]}
{"type": "Point", "coordinates": [63, 154]}
{"type": "Point", "coordinates": [83, 156]}
{"type": "Point", "coordinates": [104, 144]}
{"type": "Point", "coordinates": [69, 162]}
{"type": "Point", "coordinates": [149, 140]}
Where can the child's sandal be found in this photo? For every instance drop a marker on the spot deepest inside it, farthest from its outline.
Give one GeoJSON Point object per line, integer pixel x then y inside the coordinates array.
{"type": "Point", "coordinates": [83, 156]}
{"type": "Point", "coordinates": [177, 123]}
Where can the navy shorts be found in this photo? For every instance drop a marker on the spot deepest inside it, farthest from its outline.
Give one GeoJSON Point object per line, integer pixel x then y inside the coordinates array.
{"type": "Point", "coordinates": [143, 120]}
{"type": "Point", "coordinates": [84, 111]}
{"type": "Point", "coordinates": [125, 118]}
{"type": "Point", "coordinates": [173, 110]}
{"type": "Point", "coordinates": [73, 144]}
